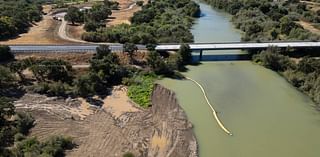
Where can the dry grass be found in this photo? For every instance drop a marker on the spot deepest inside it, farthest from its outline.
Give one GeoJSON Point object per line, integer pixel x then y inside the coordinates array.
{"type": "Point", "coordinates": [43, 32]}
{"type": "Point", "coordinates": [73, 58]}
{"type": "Point", "coordinates": [75, 31]}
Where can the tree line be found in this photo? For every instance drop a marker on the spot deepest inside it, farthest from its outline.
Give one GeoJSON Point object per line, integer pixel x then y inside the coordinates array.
{"type": "Point", "coordinates": [304, 75]}
{"type": "Point", "coordinates": [263, 20]}
{"type": "Point", "coordinates": [17, 16]}
{"type": "Point", "coordinates": [160, 21]}
{"type": "Point", "coordinates": [55, 77]}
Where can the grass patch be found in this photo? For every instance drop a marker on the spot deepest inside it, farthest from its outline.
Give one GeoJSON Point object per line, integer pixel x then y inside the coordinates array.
{"type": "Point", "coordinates": [140, 89]}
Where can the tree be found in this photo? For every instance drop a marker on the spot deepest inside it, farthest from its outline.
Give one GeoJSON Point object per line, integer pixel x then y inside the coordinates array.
{"type": "Point", "coordinates": [18, 67]}
{"type": "Point", "coordinates": [52, 69]}
{"type": "Point", "coordinates": [185, 53]}
{"type": "Point", "coordinates": [5, 53]}
{"type": "Point", "coordinates": [84, 86]}
{"type": "Point", "coordinates": [98, 13]}
{"type": "Point", "coordinates": [6, 77]}
{"type": "Point", "coordinates": [6, 132]}
{"type": "Point", "coordinates": [74, 15]}
{"type": "Point", "coordinates": [24, 122]}
{"type": "Point", "coordinates": [102, 50]}
{"type": "Point", "coordinates": [130, 48]}
{"type": "Point", "coordinates": [286, 25]}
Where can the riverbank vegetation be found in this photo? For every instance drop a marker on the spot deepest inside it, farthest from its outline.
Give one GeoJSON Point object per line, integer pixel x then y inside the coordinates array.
{"type": "Point", "coordinates": [304, 74]}
{"type": "Point", "coordinates": [17, 16]}
{"type": "Point", "coordinates": [161, 21]}
{"type": "Point", "coordinates": [266, 20]}
{"type": "Point", "coordinates": [55, 77]}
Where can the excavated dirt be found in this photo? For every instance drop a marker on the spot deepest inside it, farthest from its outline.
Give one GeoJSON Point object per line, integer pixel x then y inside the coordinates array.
{"type": "Point", "coordinates": [160, 131]}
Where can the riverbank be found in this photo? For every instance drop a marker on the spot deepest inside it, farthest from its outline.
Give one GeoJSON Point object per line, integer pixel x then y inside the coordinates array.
{"type": "Point", "coordinates": [162, 130]}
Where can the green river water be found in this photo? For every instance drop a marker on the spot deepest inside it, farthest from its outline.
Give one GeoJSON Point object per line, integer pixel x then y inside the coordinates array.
{"type": "Point", "coordinates": [268, 117]}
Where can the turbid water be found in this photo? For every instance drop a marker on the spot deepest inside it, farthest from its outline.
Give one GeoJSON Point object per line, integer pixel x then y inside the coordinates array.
{"type": "Point", "coordinates": [268, 117]}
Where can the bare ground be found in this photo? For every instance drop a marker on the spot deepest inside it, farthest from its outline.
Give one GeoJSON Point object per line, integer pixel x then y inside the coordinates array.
{"type": "Point", "coordinates": [161, 131]}
{"type": "Point", "coordinates": [308, 26]}
{"type": "Point", "coordinates": [43, 32]}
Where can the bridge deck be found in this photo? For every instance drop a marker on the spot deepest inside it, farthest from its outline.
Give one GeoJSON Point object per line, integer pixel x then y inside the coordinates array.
{"type": "Point", "coordinates": [240, 45]}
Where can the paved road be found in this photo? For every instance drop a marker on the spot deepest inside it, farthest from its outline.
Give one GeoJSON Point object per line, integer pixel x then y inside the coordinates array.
{"type": "Point", "coordinates": [65, 48]}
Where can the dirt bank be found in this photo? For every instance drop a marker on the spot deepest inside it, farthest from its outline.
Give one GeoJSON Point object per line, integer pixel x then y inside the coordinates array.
{"type": "Point", "coordinates": [161, 131]}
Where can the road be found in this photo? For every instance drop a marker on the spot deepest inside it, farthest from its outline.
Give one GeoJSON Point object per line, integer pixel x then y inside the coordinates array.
{"type": "Point", "coordinates": [65, 48]}
{"type": "Point", "coordinates": [62, 33]}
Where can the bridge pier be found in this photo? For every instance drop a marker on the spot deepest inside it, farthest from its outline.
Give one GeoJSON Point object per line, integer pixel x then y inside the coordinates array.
{"type": "Point", "coordinates": [200, 55]}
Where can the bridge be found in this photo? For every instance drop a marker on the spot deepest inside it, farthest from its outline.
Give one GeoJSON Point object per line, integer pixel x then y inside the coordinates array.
{"type": "Point", "coordinates": [199, 47]}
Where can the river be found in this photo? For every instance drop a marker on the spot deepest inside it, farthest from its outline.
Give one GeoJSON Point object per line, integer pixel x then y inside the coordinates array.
{"type": "Point", "coordinates": [268, 117]}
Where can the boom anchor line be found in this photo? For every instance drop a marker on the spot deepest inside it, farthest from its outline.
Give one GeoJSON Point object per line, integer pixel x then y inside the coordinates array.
{"type": "Point", "coordinates": [214, 112]}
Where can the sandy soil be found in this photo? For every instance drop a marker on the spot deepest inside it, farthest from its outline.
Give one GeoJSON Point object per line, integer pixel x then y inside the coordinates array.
{"type": "Point", "coordinates": [75, 31]}
{"type": "Point", "coordinates": [308, 26]}
{"type": "Point", "coordinates": [161, 131]}
{"type": "Point", "coordinates": [43, 32]}
{"type": "Point", "coordinates": [118, 102]}
{"type": "Point", "coordinates": [314, 6]}
{"type": "Point", "coordinates": [123, 15]}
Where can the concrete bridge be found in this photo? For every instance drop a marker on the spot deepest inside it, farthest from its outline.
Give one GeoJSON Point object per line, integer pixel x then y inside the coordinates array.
{"type": "Point", "coordinates": [200, 47]}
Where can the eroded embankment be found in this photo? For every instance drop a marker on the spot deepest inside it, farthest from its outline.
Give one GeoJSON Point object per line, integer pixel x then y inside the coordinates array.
{"type": "Point", "coordinates": [161, 131]}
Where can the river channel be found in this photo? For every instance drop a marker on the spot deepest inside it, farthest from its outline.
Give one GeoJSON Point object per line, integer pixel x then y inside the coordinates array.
{"type": "Point", "coordinates": [267, 116]}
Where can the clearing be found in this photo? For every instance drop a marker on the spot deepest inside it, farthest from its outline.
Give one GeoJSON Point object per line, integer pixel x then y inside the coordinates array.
{"type": "Point", "coordinates": [115, 127]}
{"type": "Point", "coordinates": [308, 26]}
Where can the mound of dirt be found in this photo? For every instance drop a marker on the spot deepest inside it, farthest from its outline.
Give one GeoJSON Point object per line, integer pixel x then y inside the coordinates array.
{"type": "Point", "coordinates": [160, 131]}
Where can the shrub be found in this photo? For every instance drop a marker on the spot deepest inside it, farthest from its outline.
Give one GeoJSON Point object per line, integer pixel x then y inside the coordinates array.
{"type": "Point", "coordinates": [5, 54]}
{"type": "Point", "coordinates": [24, 122]}
{"type": "Point", "coordinates": [140, 89]}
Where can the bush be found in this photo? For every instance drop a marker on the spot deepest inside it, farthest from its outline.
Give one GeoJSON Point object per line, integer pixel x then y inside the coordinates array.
{"type": "Point", "coordinates": [128, 155]}
{"type": "Point", "coordinates": [272, 59]}
{"type": "Point", "coordinates": [5, 54]}
{"type": "Point", "coordinates": [6, 77]}
{"type": "Point", "coordinates": [54, 147]}
{"type": "Point", "coordinates": [139, 3]}
{"type": "Point", "coordinates": [140, 89]}
{"type": "Point", "coordinates": [24, 122]}
{"type": "Point", "coordinates": [52, 89]}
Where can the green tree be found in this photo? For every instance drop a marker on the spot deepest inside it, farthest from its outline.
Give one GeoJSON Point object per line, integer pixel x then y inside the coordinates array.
{"type": "Point", "coordinates": [6, 77]}
{"type": "Point", "coordinates": [5, 53]}
{"type": "Point", "coordinates": [130, 48]}
{"type": "Point", "coordinates": [102, 50]}
{"type": "Point", "coordinates": [185, 53]}
{"type": "Point", "coordinates": [286, 25]}
{"type": "Point", "coordinates": [7, 110]}
{"type": "Point", "coordinates": [24, 122]}
{"type": "Point", "coordinates": [98, 13]}
{"type": "Point", "coordinates": [52, 69]}
{"type": "Point", "coordinates": [74, 15]}
{"type": "Point", "coordinates": [18, 67]}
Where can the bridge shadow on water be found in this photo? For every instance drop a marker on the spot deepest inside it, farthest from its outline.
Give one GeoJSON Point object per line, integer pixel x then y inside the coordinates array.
{"type": "Point", "coordinates": [221, 57]}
